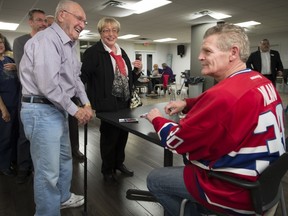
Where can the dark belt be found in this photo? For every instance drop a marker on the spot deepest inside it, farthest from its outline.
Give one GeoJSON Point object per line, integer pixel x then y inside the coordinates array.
{"type": "Point", "coordinates": [35, 99]}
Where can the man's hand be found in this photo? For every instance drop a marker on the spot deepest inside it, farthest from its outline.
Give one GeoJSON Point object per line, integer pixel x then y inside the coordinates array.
{"type": "Point", "coordinates": [174, 107]}
{"type": "Point", "coordinates": [153, 114]}
{"type": "Point", "coordinates": [84, 115]}
{"type": "Point", "coordinates": [10, 66]}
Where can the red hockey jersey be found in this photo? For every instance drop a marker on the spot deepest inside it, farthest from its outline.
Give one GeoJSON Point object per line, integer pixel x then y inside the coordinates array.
{"type": "Point", "coordinates": [236, 127]}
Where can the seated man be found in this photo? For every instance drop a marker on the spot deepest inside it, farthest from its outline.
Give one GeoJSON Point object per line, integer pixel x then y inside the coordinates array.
{"type": "Point", "coordinates": [220, 132]}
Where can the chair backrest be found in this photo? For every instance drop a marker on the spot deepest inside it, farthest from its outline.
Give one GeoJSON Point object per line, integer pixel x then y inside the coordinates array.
{"type": "Point", "coordinates": [165, 80]}
{"type": "Point", "coordinates": [270, 180]}
{"type": "Point", "coordinates": [266, 191]}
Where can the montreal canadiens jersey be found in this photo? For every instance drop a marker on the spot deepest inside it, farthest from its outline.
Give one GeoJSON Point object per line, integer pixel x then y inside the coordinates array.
{"type": "Point", "coordinates": [235, 127]}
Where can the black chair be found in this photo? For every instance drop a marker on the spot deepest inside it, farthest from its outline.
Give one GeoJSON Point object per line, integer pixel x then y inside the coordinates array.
{"type": "Point", "coordinates": [266, 192]}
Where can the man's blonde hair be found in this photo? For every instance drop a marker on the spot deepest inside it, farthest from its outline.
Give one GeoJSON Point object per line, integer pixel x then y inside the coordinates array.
{"type": "Point", "coordinates": [229, 36]}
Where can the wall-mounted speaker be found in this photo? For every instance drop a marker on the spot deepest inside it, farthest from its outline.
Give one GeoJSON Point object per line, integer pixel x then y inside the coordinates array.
{"type": "Point", "coordinates": [180, 50]}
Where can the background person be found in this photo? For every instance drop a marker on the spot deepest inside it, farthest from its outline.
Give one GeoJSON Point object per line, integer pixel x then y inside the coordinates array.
{"type": "Point", "coordinates": [109, 84]}
{"type": "Point", "coordinates": [37, 21]}
{"type": "Point", "coordinates": [46, 101]}
{"type": "Point", "coordinates": [155, 72]}
{"type": "Point", "coordinates": [220, 131]}
{"type": "Point", "coordinates": [9, 97]}
{"type": "Point", "coordinates": [50, 19]}
{"type": "Point", "coordinates": [168, 71]}
{"type": "Point", "coordinates": [8, 49]}
{"type": "Point", "coordinates": [266, 61]}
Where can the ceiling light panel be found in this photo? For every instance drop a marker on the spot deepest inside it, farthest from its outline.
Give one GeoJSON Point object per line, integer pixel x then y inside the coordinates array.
{"type": "Point", "coordinates": [165, 40]}
{"type": "Point", "coordinates": [128, 36]}
{"type": "Point", "coordinates": [144, 5]}
{"type": "Point", "coordinates": [8, 26]}
{"type": "Point", "coordinates": [248, 24]}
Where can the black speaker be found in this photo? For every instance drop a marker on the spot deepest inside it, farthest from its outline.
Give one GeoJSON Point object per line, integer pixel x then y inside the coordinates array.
{"type": "Point", "coordinates": [180, 50]}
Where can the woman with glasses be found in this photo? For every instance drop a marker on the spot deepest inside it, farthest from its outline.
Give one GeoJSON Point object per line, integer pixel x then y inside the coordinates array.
{"type": "Point", "coordinates": [108, 73]}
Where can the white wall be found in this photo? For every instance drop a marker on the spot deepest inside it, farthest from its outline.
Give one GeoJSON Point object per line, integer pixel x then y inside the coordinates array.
{"type": "Point", "coordinates": [180, 64]}
{"type": "Point", "coordinates": [160, 53]}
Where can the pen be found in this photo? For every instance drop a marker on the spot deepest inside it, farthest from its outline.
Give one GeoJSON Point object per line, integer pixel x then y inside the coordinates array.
{"type": "Point", "coordinates": [143, 115]}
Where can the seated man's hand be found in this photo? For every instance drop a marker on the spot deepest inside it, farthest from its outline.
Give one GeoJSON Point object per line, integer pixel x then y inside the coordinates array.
{"type": "Point", "coordinates": [153, 114]}
{"type": "Point", "coordinates": [174, 107]}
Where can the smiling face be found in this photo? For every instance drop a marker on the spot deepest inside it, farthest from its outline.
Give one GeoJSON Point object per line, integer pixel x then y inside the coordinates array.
{"type": "Point", "coordinates": [109, 34]}
{"type": "Point", "coordinates": [72, 20]}
{"type": "Point", "coordinates": [38, 22]}
{"type": "Point", "coordinates": [214, 61]}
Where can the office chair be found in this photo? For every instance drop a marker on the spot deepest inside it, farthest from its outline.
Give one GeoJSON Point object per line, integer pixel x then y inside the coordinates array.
{"type": "Point", "coordinates": [265, 193]}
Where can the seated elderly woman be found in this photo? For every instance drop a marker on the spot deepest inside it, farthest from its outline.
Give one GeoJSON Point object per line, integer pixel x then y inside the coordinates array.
{"type": "Point", "coordinates": [167, 70]}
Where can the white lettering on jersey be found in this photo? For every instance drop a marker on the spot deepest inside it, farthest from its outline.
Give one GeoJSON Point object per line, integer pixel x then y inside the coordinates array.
{"type": "Point", "coordinates": [255, 77]}
{"type": "Point", "coordinates": [269, 93]}
{"type": "Point", "coordinates": [174, 141]}
{"type": "Point", "coordinates": [268, 120]}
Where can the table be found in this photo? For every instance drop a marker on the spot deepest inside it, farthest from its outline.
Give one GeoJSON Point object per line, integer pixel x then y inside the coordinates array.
{"type": "Point", "coordinates": [143, 128]}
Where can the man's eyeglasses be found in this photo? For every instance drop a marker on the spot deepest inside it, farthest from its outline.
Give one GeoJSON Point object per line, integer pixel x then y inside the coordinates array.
{"type": "Point", "coordinates": [40, 20]}
{"type": "Point", "coordinates": [77, 17]}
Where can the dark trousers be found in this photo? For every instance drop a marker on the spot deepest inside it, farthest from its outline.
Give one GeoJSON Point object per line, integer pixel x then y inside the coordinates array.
{"type": "Point", "coordinates": [8, 139]}
{"type": "Point", "coordinates": [73, 133]}
{"type": "Point", "coordinates": [112, 144]}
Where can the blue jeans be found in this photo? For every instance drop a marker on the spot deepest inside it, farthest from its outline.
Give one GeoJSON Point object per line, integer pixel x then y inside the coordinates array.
{"type": "Point", "coordinates": [167, 185]}
{"type": "Point", "coordinates": [46, 127]}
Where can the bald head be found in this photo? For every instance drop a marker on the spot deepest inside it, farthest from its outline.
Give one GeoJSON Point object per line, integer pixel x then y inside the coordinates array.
{"type": "Point", "coordinates": [71, 17]}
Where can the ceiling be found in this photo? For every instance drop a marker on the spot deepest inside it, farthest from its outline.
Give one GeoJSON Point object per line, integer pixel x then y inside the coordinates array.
{"type": "Point", "coordinates": [172, 20]}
